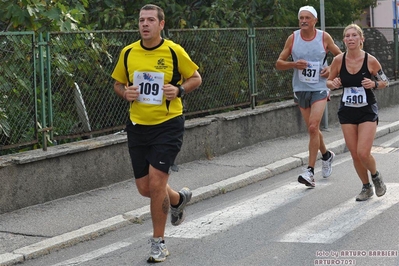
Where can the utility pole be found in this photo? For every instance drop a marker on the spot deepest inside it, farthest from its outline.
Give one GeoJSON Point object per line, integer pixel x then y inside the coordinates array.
{"type": "Point", "coordinates": [396, 38]}
{"type": "Point", "coordinates": [323, 27]}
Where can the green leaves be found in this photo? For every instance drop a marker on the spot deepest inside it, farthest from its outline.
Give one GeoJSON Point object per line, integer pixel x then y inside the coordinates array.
{"type": "Point", "coordinates": [63, 15]}
{"type": "Point", "coordinates": [37, 15]}
{"type": "Point", "coordinates": [337, 13]}
{"type": "Point", "coordinates": [4, 125]}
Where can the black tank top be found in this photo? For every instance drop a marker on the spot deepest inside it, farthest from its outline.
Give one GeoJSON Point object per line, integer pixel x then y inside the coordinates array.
{"type": "Point", "coordinates": [355, 80]}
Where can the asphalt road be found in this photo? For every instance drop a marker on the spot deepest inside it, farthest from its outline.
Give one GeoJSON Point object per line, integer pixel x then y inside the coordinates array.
{"type": "Point", "coordinates": [106, 215]}
{"type": "Point", "coordinates": [275, 221]}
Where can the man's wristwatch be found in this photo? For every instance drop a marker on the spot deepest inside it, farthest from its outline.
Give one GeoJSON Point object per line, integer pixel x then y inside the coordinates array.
{"type": "Point", "coordinates": [376, 85]}
{"type": "Point", "coordinates": [182, 91]}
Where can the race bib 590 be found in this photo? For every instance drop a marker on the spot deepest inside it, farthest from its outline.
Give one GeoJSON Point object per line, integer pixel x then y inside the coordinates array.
{"type": "Point", "coordinates": [354, 97]}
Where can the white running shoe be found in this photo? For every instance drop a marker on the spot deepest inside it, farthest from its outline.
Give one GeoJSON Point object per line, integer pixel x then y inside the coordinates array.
{"type": "Point", "coordinates": [159, 252]}
{"type": "Point", "coordinates": [307, 178]}
{"type": "Point", "coordinates": [326, 166]}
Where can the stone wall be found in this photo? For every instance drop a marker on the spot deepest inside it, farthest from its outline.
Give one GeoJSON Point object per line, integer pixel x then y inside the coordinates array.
{"type": "Point", "coordinates": [377, 44]}
{"type": "Point", "coordinates": [35, 177]}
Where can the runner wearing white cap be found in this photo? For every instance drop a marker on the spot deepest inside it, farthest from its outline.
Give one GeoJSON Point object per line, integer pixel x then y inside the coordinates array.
{"type": "Point", "coordinates": [308, 8]}
{"type": "Point", "coordinates": [308, 47]}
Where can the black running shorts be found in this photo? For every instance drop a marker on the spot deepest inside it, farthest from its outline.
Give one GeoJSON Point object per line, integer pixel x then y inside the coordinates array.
{"type": "Point", "coordinates": [156, 145]}
{"type": "Point", "coordinates": [352, 115]}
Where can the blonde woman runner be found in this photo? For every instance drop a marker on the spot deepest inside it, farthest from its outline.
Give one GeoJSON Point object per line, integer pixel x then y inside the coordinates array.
{"type": "Point", "coordinates": [359, 73]}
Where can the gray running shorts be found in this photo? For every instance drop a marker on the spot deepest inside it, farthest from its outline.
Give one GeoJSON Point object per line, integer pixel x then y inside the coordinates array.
{"type": "Point", "coordinates": [306, 98]}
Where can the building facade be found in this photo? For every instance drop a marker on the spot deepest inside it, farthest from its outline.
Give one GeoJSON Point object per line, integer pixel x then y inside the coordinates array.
{"type": "Point", "coordinates": [381, 16]}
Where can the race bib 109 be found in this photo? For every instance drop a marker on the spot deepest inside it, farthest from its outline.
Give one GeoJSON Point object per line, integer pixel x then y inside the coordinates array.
{"type": "Point", "coordinates": [150, 86]}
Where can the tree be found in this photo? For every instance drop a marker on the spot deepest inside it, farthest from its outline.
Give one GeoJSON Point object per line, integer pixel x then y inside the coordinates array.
{"type": "Point", "coordinates": [39, 15]}
{"type": "Point", "coordinates": [67, 15]}
{"type": "Point", "coordinates": [337, 13]}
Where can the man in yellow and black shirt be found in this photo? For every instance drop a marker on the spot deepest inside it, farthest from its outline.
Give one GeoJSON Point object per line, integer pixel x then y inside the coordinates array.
{"type": "Point", "coordinates": [153, 74]}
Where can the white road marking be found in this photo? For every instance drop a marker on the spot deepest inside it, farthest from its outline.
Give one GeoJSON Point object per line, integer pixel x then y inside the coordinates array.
{"type": "Point", "coordinates": [386, 147]}
{"type": "Point", "coordinates": [94, 254]}
{"type": "Point", "coordinates": [222, 220]}
{"type": "Point", "coordinates": [382, 150]}
{"type": "Point", "coordinates": [218, 221]}
{"type": "Point", "coordinates": [339, 221]}
{"type": "Point", "coordinates": [390, 142]}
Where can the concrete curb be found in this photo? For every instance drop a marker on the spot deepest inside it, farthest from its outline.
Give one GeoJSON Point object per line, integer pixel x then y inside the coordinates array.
{"type": "Point", "coordinates": [140, 215]}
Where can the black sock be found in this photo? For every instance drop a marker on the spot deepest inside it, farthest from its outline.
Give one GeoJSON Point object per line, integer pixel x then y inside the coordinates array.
{"type": "Point", "coordinates": [326, 156]}
{"type": "Point", "coordinates": [374, 176]}
{"type": "Point", "coordinates": [180, 201]}
{"type": "Point", "coordinates": [366, 185]}
{"type": "Point", "coordinates": [311, 169]}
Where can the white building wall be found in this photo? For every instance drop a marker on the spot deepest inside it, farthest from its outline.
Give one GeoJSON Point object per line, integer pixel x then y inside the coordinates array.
{"type": "Point", "coordinates": [383, 14]}
{"type": "Point", "coordinates": [380, 16]}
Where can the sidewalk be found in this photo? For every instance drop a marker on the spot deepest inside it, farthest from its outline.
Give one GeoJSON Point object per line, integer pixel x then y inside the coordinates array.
{"type": "Point", "coordinates": [38, 230]}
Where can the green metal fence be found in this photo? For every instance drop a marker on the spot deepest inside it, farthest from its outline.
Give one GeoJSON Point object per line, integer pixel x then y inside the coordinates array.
{"type": "Point", "coordinates": [18, 94]}
{"type": "Point", "coordinates": [57, 87]}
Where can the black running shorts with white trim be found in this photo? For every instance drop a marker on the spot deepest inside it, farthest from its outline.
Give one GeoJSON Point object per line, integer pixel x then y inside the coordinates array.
{"type": "Point", "coordinates": [156, 145]}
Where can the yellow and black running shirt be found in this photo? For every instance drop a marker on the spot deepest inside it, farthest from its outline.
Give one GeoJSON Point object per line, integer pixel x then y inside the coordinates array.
{"type": "Point", "coordinates": [150, 69]}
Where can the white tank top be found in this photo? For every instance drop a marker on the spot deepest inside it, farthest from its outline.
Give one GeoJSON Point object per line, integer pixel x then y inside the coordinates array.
{"type": "Point", "coordinates": [314, 53]}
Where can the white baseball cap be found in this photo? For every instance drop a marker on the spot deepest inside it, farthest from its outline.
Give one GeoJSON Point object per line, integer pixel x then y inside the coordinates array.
{"type": "Point", "coordinates": [308, 8]}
